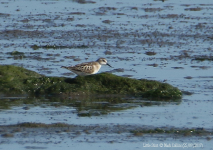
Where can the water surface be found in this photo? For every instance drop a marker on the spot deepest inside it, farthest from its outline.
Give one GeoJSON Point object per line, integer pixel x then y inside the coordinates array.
{"type": "Point", "coordinates": [168, 41]}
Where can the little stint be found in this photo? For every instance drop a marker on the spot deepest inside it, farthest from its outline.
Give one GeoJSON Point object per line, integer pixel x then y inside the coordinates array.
{"type": "Point", "coordinates": [87, 68]}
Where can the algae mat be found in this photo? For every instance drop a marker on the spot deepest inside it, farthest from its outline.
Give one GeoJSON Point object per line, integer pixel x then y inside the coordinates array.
{"type": "Point", "coordinates": [17, 80]}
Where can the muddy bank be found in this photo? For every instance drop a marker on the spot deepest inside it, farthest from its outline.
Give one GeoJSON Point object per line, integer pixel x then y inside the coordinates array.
{"type": "Point", "coordinates": [49, 132]}
{"type": "Point", "coordinates": [17, 80]}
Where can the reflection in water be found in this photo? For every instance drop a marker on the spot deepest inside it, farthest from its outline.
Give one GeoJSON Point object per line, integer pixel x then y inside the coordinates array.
{"type": "Point", "coordinates": [85, 105]}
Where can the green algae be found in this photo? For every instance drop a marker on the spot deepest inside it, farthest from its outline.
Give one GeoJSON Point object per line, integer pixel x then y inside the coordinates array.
{"type": "Point", "coordinates": [41, 125]}
{"type": "Point", "coordinates": [12, 77]}
{"type": "Point", "coordinates": [175, 131]}
{"type": "Point", "coordinates": [203, 58]}
{"type": "Point", "coordinates": [17, 80]}
{"type": "Point", "coordinates": [15, 53]}
{"type": "Point", "coordinates": [134, 130]}
{"type": "Point", "coordinates": [106, 83]}
{"type": "Point", "coordinates": [36, 47]}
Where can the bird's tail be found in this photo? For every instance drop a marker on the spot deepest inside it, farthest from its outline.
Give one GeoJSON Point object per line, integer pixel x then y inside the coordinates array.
{"type": "Point", "coordinates": [64, 67]}
{"type": "Point", "coordinates": [69, 68]}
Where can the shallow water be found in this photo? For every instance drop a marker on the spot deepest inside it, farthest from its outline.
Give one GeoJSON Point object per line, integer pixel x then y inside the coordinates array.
{"type": "Point", "coordinates": [155, 40]}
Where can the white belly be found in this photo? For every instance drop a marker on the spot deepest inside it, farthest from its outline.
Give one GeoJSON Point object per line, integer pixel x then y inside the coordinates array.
{"type": "Point", "coordinates": [96, 68]}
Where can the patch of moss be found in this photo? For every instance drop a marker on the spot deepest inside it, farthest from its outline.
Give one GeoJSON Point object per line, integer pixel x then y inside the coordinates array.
{"type": "Point", "coordinates": [15, 53]}
{"type": "Point", "coordinates": [35, 47]}
{"type": "Point", "coordinates": [19, 80]}
{"type": "Point", "coordinates": [203, 58]}
{"type": "Point", "coordinates": [106, 83]}
{"type": "Point", "coordinates": [40, 125]}
{"type": "Point", "coordinates": [12, 77]}
{"type": "Point", "coordinates": [182, 132]}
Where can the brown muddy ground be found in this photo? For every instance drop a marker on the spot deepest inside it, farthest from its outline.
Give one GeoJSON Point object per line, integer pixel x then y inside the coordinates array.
{"type": "Point", "coordinates": [59, 133]}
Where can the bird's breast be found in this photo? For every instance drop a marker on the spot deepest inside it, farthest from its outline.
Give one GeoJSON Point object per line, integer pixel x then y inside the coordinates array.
{"type": "Point", "coordinates": [96, 68]}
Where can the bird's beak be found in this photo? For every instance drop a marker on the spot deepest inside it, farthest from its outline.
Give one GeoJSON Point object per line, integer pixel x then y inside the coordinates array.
{"type": "Point", "coordinates": [109, 65]}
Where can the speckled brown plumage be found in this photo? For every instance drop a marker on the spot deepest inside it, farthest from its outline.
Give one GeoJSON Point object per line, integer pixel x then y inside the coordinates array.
{"type": "Point", "coordinates": [87, 68]}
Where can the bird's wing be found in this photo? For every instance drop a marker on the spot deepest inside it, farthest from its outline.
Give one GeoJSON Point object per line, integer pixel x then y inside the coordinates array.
{"type": "Point", "coordinates": [84, 67]}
